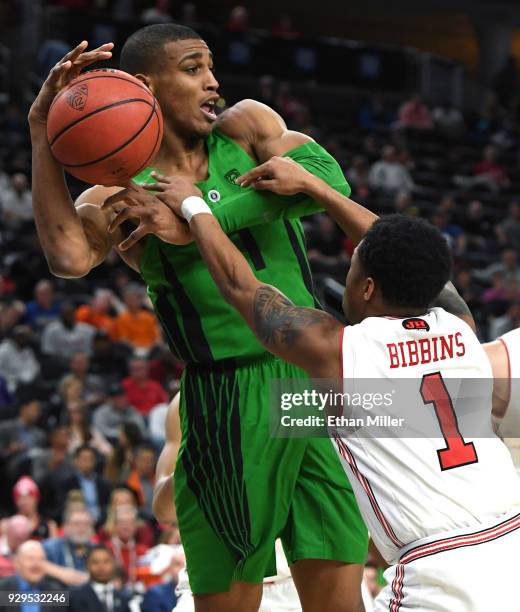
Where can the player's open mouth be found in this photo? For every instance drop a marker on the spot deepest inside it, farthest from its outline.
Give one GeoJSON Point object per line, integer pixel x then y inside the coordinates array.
{"type": "Point", "coordinates": [208, 108]}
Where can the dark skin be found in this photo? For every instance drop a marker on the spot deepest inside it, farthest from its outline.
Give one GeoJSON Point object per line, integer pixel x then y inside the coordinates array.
{"type": "Point", "coordinates": [75, 237]}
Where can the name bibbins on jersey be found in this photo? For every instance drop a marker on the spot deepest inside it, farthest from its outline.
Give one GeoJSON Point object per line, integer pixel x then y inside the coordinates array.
{"type": "Point", "coordinates": [443, 511]}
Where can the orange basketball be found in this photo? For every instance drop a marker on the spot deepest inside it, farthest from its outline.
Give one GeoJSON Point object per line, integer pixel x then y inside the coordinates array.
{"type": "Point", "coordinates": [104, 127]}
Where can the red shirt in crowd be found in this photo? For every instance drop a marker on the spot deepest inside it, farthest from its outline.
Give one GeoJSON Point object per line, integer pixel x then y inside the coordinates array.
{"type": "Point", "coordinates": [144, 396]}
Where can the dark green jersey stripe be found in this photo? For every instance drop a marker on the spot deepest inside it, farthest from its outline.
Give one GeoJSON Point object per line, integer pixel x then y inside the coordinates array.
{"type": "Point", "coordinates": [299, 251]}
{"type": "Point", "coordinates": [213, 455]}
{"type": "Point", "coordinates": [168, 320]}
{"type": "Point", "coordinates": [251, 247]}
{"type": "Point", "coordinates": [190, 316]}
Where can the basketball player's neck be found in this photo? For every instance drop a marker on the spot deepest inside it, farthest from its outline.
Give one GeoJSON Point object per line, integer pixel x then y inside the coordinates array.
{"type": "Point", "coordinates": [182, 156]}
{"type": "Point", "coordinates": [399, 312]}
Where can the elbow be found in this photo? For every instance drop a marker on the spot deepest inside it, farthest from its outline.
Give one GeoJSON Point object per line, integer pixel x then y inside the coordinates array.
{"type": "Point", "coordinates": [64, 267]}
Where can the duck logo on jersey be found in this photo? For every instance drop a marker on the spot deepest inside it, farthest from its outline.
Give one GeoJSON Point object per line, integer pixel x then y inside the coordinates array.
{"type": "Point", "coordinates": [77, 97]}
{"type": "Point", "coordinates": [416, 324]}
{"type": "Point", "coordinates": [232, 176]}
{"type": "Point", "coordinates": [214, 195]}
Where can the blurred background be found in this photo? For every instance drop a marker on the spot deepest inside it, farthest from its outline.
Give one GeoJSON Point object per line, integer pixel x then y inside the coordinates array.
{"type": "Point", "coordinates": [419, 105]}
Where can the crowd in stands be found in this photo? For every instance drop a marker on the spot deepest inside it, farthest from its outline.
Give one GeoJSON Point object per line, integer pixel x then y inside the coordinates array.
{"type": "Point", "coordinates": [85, 375]}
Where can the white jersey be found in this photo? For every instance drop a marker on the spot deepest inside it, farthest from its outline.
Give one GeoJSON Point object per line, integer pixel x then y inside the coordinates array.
{"type": "Point", "coordinates": [509, 425]}
{"type": "Point", "coordinates": [411, 488]}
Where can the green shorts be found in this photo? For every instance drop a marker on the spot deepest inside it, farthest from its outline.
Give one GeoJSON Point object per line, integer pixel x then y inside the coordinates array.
{"type": "Point", "coordinates": [237, 488]}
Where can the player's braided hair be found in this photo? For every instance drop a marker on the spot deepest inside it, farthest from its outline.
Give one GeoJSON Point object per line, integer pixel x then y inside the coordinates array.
{"type": "Point", "coordinates": [142, 49]}
{"type": "Point", "coordinates": [408, 258]}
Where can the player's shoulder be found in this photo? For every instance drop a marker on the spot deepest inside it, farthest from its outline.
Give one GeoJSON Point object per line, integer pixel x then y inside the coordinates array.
{"type": "Point", "coordinates": [246, 116]}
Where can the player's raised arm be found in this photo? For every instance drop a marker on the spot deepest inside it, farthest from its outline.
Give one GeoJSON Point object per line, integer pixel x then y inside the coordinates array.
{"type": "Point", "coordinates": [306, 337]}
{"type": "Point", "coordinates": [65, 240]}
{"type": "Point", "coordinates": [284, 176]}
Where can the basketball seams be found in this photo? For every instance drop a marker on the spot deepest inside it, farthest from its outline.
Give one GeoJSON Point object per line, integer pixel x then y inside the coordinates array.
{"type": "Point", "coordinates": [94, 112]}
{"type": "Point", "coordinates": [79, 80]}
{"type": "Point", "coordinates": [119, 148]}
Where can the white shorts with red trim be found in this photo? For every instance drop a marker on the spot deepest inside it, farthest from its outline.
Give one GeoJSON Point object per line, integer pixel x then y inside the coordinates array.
{"type": "Point", "coordinates": [465, 571]}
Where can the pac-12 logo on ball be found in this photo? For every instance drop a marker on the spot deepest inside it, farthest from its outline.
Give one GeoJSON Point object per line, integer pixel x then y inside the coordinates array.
{"type": "Point", "coordinates": [77, 96]}
{"type": "Point", "coordinates": [214, 195]}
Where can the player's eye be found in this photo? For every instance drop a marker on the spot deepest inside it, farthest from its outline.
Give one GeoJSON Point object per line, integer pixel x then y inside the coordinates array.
{"type": "Point", "coordinates": [192, 69]}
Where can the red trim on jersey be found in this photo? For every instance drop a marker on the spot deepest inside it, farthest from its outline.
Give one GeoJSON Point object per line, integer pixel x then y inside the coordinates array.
{"type": "Point", "coordinates": [469, 539]}
{"type": "Point", "coordinates": [397, 588]}
{"type": "Point", "coordinates": [341, 354]}
{"type": "Point", "coordinates": [508, 374]}
{"type": "Point", "coordinates": [347, 455]}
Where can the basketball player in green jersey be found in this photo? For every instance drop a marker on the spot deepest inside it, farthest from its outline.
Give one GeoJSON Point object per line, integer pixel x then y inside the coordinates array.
{"type": "Point", "coordinates": [236, 488]}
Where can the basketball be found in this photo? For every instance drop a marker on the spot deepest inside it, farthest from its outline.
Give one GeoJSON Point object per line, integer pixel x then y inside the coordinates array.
{"type": "Point", "coordinates": [104, 127]}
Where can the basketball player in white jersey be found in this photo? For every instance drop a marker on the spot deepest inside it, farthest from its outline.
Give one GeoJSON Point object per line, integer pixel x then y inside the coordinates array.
{"type": "Point", "coordinates": [443, 511]}
{"type": "Point", "coordinates": [504, 356]}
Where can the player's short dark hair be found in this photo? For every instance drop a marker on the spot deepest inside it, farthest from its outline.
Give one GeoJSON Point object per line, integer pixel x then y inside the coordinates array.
{"type": "Point", "coordinates": [142, 49]}
{"type": "Point", "coordinates": [408, 258]}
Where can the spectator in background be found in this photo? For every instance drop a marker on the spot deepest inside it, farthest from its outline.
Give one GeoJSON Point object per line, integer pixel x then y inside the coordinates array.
{"type": "Point", "coordinates": [95, 489]}
{"type": "Point", "coordinates": [136, 325]}
{"type": "Point", "coordinates": [99, 593]}
{"type": "Point", "coordinates": [91, 384]}
{"type": "Point", "coordinates": [30, 577]}
{"type": "Point", "coordinates": [109, 417]}
{"type": "Point", "coordinates": [506, 81]}
{"type": "Point", "coordinates": [388, 175]}
{"type": "Point", "coordinates": [508, 266]}
{"type": "Point", "coordinates": [448, 121]}
{"type": "Point", "coordinates": [477, 225]}
{"type": "Point", "coordinates": [16, 202]}
{"type": "Point", "coordinates": [130, 437]}
{"type": "Point", "coordinates": [65, 337]}
{"type": "Point", "coordinates": [162, 597]}
{"type": "Point", "coordinates": [284, 27]}
{"type": "Point", "coordinates": [414, 115]}
{"type": "Point", "coordinates": [97, 312]}
{"type": "Point", "coordinates": [142, 477]}
{"type": "Point", "coordinates": [508, 231]}
{"type": "Point", "coordinates": [17, 531]}
{"type": "Point", "coordinates": [44, 308]}
{"type": "Point", "coordinates": [20, 438]}
{"type": "Point", "coordinates": [373, 114]}
{"type": "Point", "coordinates": [123, 543]}
{"type": "Point", "coordinates": [71, 550]}
{"type": "Point", "coordinates": [53, 463]}
{"type": "Point", "coordinates": [109, 359]}
{"type": "Point", "coordinates": [489, 172]}
{"type": "Point", "coordinates": [238, 21]}
{"type": "Point", "coordinates": [403, 204]}
{"type": "Point", "coordinates": [18, 363]}
{"type": "Point", "coordinates": [141, 391]}
{"type": "Point", "coordinates": [26, 495]}
{"type": "Point", "coordinates": [452, 233]}
{"type": "Point", "coordinates": [159, 13]}
{"type": "Point", "coordinates": [370, 579]}
{"type": "Point", "coordinates": [501, 325]}
{"type": "Point", "coordinates": [124, 496]}
{"type": "Point", "coordinates": [80, 432]}
{"type": "Point", "coordinates": [357, 175]}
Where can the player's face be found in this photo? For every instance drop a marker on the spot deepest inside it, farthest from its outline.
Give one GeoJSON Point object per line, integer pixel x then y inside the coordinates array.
{"type": "Point", "coordinates": [358, 288]}
{"type": "Point", "coordinates": [186, 88]}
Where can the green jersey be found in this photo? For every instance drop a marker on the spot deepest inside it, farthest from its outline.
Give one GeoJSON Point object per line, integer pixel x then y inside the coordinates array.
{"type": "Point", "coordinates": [199, 325]}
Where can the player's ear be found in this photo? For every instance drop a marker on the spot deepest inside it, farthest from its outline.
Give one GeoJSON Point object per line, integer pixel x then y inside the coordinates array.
{"type": "Point", "coordinates": [369, 288]}
{"type": "Point", "coordinates": [146, 80]}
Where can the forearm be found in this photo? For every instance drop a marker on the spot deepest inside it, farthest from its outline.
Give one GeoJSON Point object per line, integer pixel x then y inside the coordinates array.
{"type": "Point", "coordinates": [59, 227]}
{"type": "Point", "coordinates": [228, 267]}
{"type": "Point", "coordinates": [249, 208]}
{"type": "Point", "coordinates": [354, 219]}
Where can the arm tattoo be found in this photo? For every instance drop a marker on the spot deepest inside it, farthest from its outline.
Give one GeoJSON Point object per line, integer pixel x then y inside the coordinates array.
{"type": "Point", "coordinates": [450, 299]}
{"type": "Point", "coordinates": [278, 321]}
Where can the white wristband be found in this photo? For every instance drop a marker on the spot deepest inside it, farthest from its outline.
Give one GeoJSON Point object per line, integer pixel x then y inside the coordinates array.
{"type": "Point", "coordinates": [193, 205]}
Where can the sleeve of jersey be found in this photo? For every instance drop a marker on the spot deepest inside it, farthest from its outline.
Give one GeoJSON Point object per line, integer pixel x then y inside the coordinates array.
{"type": "Point", "coordinates": [250, 207]}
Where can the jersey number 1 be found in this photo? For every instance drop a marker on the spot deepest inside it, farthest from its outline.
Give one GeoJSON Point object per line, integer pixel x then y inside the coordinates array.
{"type": "Point", "coordinates": [456, 452]}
